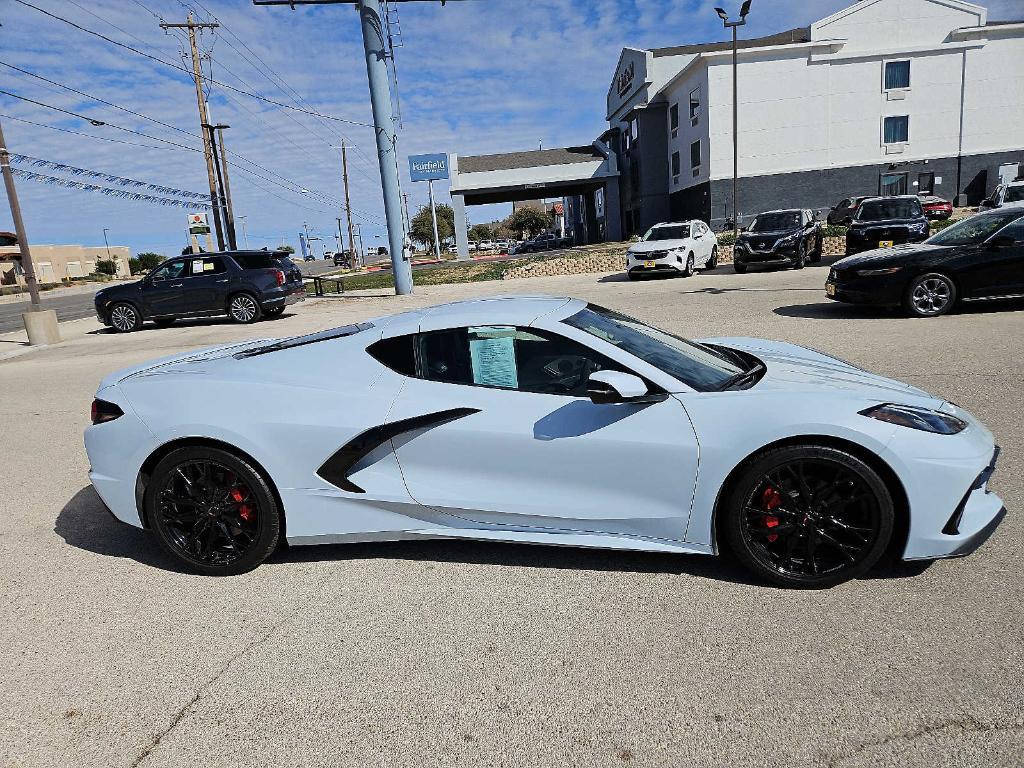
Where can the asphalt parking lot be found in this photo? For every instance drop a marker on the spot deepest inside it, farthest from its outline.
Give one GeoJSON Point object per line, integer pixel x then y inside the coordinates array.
{"type": "Point", "coordinates": [444, 653]}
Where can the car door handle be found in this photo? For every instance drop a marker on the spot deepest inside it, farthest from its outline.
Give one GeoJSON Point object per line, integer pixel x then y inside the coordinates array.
{"type": "Point", "coordinates": [223, 281]}
{"type": "Point", "coordinates": [177, 285]}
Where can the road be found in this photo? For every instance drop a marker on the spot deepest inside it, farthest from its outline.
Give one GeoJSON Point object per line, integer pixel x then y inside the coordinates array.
{"type": "Point", "coordinates": [69, 307]}
{"type": "Point", "coordinates": [451, 653]}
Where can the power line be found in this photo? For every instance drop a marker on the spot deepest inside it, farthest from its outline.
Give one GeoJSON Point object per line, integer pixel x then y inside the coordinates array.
{"type": "Point", "coordinates": [172, 65]}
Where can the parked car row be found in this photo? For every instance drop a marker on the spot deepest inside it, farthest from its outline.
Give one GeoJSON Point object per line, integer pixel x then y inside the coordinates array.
{"type": "Point", "coordinates": [845, 211]}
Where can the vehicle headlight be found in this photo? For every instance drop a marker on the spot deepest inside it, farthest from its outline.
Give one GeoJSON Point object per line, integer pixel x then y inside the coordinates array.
{"type": "Point", "coordinates": [788, 239]}
{"type": "Point", "coordinates": [879, 271]}
{"type": "Point", "coordinates": [923, 419]}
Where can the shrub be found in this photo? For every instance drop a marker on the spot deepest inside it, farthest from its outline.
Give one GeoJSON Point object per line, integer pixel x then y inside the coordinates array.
{"type": "Point", "coordinates": [935, 226]}
{"type": "Point", "coordinates": [106, 267]}
{"type": "Point", "coordinates": [726, 238]}
{"type": "Point", "coordinates": [833, 230]}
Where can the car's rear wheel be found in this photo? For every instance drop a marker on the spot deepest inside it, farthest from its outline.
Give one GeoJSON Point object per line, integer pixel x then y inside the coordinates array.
{"type": "Point", "coordinates": [274, 311]}
{"type": "Point", "coordinates": [212, 510]}
{"type": "Point", "coordinates": [930, 295]}
{"type": "Point", "coordinates": [808, 516]}
{"type": "Point", "coordinates": [713, 261]}
{"type": "Point", "coordinates": [243, 308]}
{"type": "Point", "coordinates": [125, 318]}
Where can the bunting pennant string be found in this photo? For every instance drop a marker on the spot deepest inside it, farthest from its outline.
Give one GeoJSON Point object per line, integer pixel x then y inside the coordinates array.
{"type": "Point", "coordinates": [110, 178]}
{"type": "Point", "coordinates": [124, 194]}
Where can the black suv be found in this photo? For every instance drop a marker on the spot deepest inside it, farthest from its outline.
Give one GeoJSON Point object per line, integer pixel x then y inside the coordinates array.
{"type": "Point", "coordinates": [244, 285]}
{"type": "Point", "coordinates": [881, 222]}
{"type": "Point", "coordinates": [789, 238]}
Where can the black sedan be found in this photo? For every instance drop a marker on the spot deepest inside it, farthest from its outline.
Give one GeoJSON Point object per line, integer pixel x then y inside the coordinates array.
{"type": "Point", "coordinates": [781, 238]}
{"type": "Point", "coordinates": [978, 259]}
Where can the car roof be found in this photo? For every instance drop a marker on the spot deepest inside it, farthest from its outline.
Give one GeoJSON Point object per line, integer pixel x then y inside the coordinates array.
{"type": "Point", "coordinates": [784, 210]}
{"type": "Point", "coordinates": [490, 310]}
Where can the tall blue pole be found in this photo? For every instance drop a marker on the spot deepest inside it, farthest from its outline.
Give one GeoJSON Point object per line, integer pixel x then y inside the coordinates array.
{"type": "Point", "coordinates": [375, 46]}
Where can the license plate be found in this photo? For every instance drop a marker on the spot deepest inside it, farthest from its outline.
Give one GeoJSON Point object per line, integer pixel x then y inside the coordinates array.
{"type": "Point", "coordinates": [649, 264]}
{"type": "Point", "coordinates": [830, 289]}
{"type": "Point", "coordinates": [885, 243]}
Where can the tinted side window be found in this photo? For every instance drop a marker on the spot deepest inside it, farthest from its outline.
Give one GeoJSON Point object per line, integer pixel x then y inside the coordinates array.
{"type": "Point", "coordinates": [1015, 230]}
{"type": "Point", "coordinates": [169, 271]}
{"type": "Point", "coordinates": [510, 358]}
{"type": "Point", "coordinates": [210, 265]}
{"type": "Point", "coordinates": [255, 260]}
{"type": "Point", "coordinates": [398, 354]}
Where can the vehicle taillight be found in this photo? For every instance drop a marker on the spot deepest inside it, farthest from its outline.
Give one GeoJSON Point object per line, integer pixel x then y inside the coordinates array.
{"type": "Point", "coordinates": [105, 411]}
{"type": "Point", "coordinates": [279, 276]}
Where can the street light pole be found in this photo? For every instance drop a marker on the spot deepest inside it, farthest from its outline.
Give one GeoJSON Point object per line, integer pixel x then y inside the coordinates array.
{"type": "Point", "coordinates": [245, 232]}
{"type": "Point", "coordinates": [106, 243]}
{"type": "Point", "coordinates": [744, 10]}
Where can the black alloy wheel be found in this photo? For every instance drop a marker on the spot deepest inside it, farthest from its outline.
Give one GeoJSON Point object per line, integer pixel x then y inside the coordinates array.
{"type": "Point", "coordinates": [809, 517]}
{"type": "Point", "coordinates": [243, 308]}
{"type": "Point", "coordinates": [819, 247]}
{"type": "Point", "coordinates": [930, 295]}
{"type": "Point", "coordinates": [212, 510]}
{"type": "Point", "coordinates": [125, 318]}
{"type": "Point", "coordinates": [713, 261]}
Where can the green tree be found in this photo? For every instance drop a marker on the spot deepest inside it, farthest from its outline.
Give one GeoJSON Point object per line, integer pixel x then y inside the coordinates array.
{"type": "Point", "coordinates": [106, 266]}
{"type": "Point", "coordinates": [149, 260]}
{"type": "Point", "coordinates": [480, 232]}
{"type": "Point", "coordinates": [422, 230]}
{"type": "Point", "coordinates": [530, 221]}
{"type": "Point", "coordinates": [285, 249]}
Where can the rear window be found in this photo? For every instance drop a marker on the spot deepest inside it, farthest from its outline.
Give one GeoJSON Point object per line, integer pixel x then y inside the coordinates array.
{"type": "Point", "coordinates": [1014, 194]}
{"type": "Point", "coordinates": [883, 210]}
{"type": "Point", "coordinates": [300, 341]}
{"type": "Point", "coordinates": [258, 260]}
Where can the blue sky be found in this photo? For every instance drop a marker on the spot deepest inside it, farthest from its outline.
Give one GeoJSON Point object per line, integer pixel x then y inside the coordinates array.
{"type": "Point", "coordinates": [476, 76]}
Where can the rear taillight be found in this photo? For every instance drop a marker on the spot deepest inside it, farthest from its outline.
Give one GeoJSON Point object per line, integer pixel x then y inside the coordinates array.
{"type": "Point", "coordinates": [104, 411]}
{"type": "Point", "coordinates": [279, 276]}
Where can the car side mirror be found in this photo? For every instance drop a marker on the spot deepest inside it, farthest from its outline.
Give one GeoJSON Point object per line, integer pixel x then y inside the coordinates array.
{"type": "Point", "coordinates": [614, 387]}
{"type": "Point", "coordinates": [1001, 241]}
{"type": "Point", "coordinates": [988, 203]}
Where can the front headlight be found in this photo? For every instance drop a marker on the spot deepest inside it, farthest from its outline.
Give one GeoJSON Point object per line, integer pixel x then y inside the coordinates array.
{"type": "Point", "coordinates": [880, 271]}
{"type": "Point", "coordinates": [788, 239]}
{"type": "Point", "coordinates": [923, 419]}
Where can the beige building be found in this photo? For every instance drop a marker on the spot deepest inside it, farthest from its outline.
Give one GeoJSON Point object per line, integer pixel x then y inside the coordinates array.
{"type": "Point", "coordinates": [56, 263]}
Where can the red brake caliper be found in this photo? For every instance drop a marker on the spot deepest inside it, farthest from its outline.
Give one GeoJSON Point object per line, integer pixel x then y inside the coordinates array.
{"type": "Point", "coordinates": [770, 499]}
{"type": "Point", "coordinates": [244, 510]}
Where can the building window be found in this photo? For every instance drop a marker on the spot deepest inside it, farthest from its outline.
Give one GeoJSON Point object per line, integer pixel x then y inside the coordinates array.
{"type": "Point", "coordinates": [896, 129]}
{"type": "Point", "coordinates": [673, 119]}
{"type": "Point", "coordinates": [675, 167]}
{"type": "Point", "coordinates": [897, 74]}
{"type": "Point", "coordinates": [695, 156]}
{"type": "Point", "coordinates": [892, 184]}
{"type": "Point", "coordinates": [694, 105]}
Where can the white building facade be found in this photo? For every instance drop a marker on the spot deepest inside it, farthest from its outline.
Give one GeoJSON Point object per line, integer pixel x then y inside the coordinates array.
{"type": "Point", "coordinates": [882, 97]}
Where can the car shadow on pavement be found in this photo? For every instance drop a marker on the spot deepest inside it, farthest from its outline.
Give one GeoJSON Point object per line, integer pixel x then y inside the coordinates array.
{"type": "Point", "coordinates": [85, 523]}
{"type": "Point", "coordinates": [830, 310]}
{"type": "Point", "coordinates": [199, 322]}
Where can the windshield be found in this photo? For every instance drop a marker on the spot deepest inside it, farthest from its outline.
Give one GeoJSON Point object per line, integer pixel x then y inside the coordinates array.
{"type": "Point", "coordinates": [1014, 194]}
{"type": "Point", "coordinates": [884, 210]}
{"type": "Point", "coordinates": [690, 363]}
{"type": "Point", "coordinates": [974, 230]}
{"type": "Point", "coordinates": [776, 222]}
{"type": "Point", "coordinates": [673, 232]}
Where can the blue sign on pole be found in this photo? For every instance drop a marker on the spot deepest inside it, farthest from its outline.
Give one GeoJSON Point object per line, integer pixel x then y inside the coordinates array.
{"type": "Point", "coordinates": [428, 167]}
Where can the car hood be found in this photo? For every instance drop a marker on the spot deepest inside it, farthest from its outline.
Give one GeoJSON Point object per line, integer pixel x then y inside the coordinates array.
{"type": "Point", "coordinates": [658, 245]}
{"type": "Point", "coordinates": [773, 234]}
{"type": "Point", "coordinates": [794, 368]}
{"type": "Point", "coordinates": [180, 362]}
{"type": "Point", "coordinates": [906, 253]}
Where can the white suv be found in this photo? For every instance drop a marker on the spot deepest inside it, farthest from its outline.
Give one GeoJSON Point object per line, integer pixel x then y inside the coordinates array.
{"type": "Point", "coordinates": [678, 247]}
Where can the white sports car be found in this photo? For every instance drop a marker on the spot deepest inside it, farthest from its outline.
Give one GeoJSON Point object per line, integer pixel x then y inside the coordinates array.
{"type": "Point", "coordinates": [677, 248]}
{"type": "Point", "coordinates": [540, 420]}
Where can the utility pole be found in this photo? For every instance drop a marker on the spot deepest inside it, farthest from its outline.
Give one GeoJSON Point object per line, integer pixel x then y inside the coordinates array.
{"type": "Point", "coordinates": [226, 187]}
{"type": "Point", "coordinates": [220, 202]}
{"type": "Point", "coordinates": [362, 250]}
{"type": "Point", "coordinates": [197, 74]}
{"type": "Point", "coordinates": [19, 225]}
{"type": "Point", "coordinates": [106, 242]}
{"type": "Point", "coordinates": [245, 232]}
{"type": "Point", "coordinates": [348, 208]}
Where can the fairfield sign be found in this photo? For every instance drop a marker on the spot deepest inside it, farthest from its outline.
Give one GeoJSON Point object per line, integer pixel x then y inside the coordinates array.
{"type": "Point", "coordinates": [624, 80]}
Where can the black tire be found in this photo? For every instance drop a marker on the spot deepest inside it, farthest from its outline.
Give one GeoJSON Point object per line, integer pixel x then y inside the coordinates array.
{"type": "Point", "coordinates": [807, 516]}
{"type": "Point", "coordinates": [221, 523]}
{"type": "Point", "coordinates": [243, 308]}
{"type": "Point", "coordinates": [930, 295]}
{"type": "Point", "coordinates": [631, 276]}
{"type": "Point", "coordinates": [688, 270]}
{"type": "Point", "coordinates": [801, 256]}
{"type": "Point", "coordinates": [818, 248]}
{"type": "Point", "coordinates": [713, 261]}
{"type": "Point", "coordinates": [274, 311]}
{"type": "Point", "coordinates": [740, 268]}
{"type": "Point", "coordinates": [125, 317]}
{"type": "Point", "coordinates": [163, 322]}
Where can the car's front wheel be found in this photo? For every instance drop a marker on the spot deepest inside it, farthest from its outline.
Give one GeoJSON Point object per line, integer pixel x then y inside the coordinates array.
{"type": "Point", "coordinates": [713, 261]}
{"type": "Point", "coordinates": [801, 256]}
{"type": "Point", "coordinates": [930, 295]}
{"type": "Point", "coordinates": [243, 308]}
{"type": "Point", "coordinates": [688, 269]}
{"type": "Point", "coordinates": [125, 318]}
{"type": "Point", "coordinates": [808, 516]}
{"type": "Point", "coordinates": [739, 267]}
{"type": "Point", "coordinates": [212, 510]}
